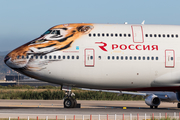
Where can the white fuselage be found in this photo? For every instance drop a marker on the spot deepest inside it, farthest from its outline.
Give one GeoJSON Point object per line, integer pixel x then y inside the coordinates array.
{"type": "Point", "coordinates": [115, 56]}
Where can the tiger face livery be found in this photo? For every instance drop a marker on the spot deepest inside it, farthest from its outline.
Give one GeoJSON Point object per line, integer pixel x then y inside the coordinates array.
{"type": "Point", "coordinates": [57, 38]}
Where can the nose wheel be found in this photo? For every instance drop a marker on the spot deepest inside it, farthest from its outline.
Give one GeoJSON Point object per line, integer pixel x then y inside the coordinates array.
{"type": "Point", "coordinates": [70, 102]}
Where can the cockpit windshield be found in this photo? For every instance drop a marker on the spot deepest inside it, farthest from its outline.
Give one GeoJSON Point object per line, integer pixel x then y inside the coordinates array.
{"type": "Point", "coordinates": [47, 32]}
{"type": "Point", "coordinates": [57, 32]}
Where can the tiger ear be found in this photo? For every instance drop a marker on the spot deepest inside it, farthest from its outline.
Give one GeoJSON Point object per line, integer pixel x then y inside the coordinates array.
{"type": "Point", "coordinates": [85, 29]}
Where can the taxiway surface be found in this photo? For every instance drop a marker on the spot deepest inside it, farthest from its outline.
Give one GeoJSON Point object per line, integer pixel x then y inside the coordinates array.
{"type": "Point", "coordinates": [51, 108]}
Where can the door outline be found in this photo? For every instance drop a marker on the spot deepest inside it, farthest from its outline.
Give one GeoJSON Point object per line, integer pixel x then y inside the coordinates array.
{"type": "Point", "coordinates": [173, 58]}
{"type": "Point", "coordinates": [92, 55]}
{"type": "Point", "coordinates": [141, 33]}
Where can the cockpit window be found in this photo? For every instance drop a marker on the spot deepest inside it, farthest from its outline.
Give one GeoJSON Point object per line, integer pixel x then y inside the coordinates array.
{"type": "Point", "coordinates": [53, 32]}
{"type": "Point", "coordinates": [57, 32]}
{"type": "Point", "coordinates": [47, 32]}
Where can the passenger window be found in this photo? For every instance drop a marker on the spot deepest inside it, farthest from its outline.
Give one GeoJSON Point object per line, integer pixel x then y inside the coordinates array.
{"type": "Point", "coordinates": [89, 34]}
{"type": "Point", "coordinates": [120, 35]}
{"type": "Point", "coordinates": [111, 35]}
{"type": "Point", "coordinates": [94, 35]}
{"type": "Point", "coordinates": [146, 35]}
{"type": "Point", "coordinates": [144, 58]}
{"type": "Point", "coordinates": [155, 35]}
{"type": "Point", "coordinates": [45, 57]}
{"type": "Point", "coordinates": [107, 35]}
{"type": "Point", "coordinates": [72, 57]}
{"type": "Point", "coordinates": [177, 36]}
{"type": "Point", "coordinates": [103, 34]}
{"type": "Point", "coordinates": [99, 57]}
{"type": "Point", "coordinates": [59, 57]}
{"type": "Point", "coordinates": [126, 57]}
{"type": "Point", "coordinates": [113, 57]}
{"type": "Point", "coordinates": [129, 35]}
{"type": "Point", "coordinates": [159, 35]}
{"type": "Point", "coordinates": [130, 57]}
{"type": "Point", "coordinates": [124, 35]}
{"type": "Point", "coordinates": [150, 35]}
{"type": "Point", "coordinates": [117, 57]}
{"type": "Point", "coordinates": [134, 57]}
{"type": "Point", "coordinates": [168, 35]}
{"type": "Point", "coordinates": [91, 57]}
{"type": "Point", "coordinates": [36, 57]}
{"type": "Point", "coordinates": [98, 35]}
{"type": "Point", "coordinates": [64, 57]}
{"type": "Point", "coordinates": [116, 34]}
{"type": "Point", "coordinates": [152, 58]}
{"type": "Point", "coordinates": [22, 57]}
{"type": "Point", "coordinates": [17, 57]}
{"type": "Point", "coordinates": [172, 35]}
{"type": "Point", "coordinates": [41, 57]}
{"type": "Point", "coordinates": [156, 58]}
{"type": "Point", "coordinates": [163, 35]}
{"type": "Point", "coordinates": [121, 57]}
{"type": "Point", "coordinates": [147, 58]}
{"type": "Point", "coordinates": [139, 58]}
{"type": "Point", "coordinates": [108, 57]}
{"type": "Point", "coordinates": [32, 57]}
{"type": "Point", "coordinates": [68, 57]}
{"type": "Point", "coordinates": [171, 58]}
{"type": "Point", "coordinates": [77, 57]}
{"type": "Point", "coordinates": [27, 57]}
{"type": "Point", "coordinates": [50, 57]}
{"type": "Point", "coordinates": [54, 57]}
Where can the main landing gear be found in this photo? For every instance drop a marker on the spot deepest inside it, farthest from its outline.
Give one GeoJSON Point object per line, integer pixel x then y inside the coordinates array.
{"type": "Point", "coordinates": [153, 107]}
{"type": "Point", "coordinates": [69, 101]}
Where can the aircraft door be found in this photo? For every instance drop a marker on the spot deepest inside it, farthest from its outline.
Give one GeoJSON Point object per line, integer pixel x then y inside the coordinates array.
{"type": "Point", "coordinates": [137, 34]}
{"type": "Point", "coordinates": [89, 57]}
{"type": "Point", "coordinates": [169, 58]}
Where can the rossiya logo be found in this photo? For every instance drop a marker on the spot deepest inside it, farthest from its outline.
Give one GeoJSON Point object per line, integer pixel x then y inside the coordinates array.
{"type": "Point", "coordinates": [103, 45]}
{"type": "Point", "coordinates": [128, 47]}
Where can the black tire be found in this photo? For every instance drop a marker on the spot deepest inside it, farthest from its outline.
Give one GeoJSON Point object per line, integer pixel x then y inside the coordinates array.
{"type": "Point", "coordinates": [156, 107]}
{"type": "Point", "coordinates": [75, 103]}
{"type": "Point", "coordinates": [178, 105]}
{"type": "Point", "coordinates": [68, 103]}
{"type": "Point", "coordinates": [151, 107]}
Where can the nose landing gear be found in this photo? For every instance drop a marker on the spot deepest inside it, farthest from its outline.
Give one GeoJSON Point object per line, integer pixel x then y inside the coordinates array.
{"type": "Point", "coordinates": [69, 101]}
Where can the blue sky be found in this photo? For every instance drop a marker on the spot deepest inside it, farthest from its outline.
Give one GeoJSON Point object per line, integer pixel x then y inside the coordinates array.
{"type": "Point", "coordinates": [22, 21]}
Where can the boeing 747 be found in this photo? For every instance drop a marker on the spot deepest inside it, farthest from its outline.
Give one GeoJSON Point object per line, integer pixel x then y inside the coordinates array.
{"type": "Point", "coordinates": [113, 57]}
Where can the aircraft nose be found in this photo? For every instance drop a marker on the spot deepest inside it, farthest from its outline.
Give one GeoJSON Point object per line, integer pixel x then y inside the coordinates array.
{"type": "Point", "coordinates": [6, 59]}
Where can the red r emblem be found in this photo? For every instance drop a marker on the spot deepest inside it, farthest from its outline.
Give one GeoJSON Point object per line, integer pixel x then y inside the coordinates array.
{"type": "Point", "coordinates": [103, 46]}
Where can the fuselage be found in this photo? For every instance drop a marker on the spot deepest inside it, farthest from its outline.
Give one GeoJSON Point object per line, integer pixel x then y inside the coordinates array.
{"type": "Point", "coordinates": [103, 56]}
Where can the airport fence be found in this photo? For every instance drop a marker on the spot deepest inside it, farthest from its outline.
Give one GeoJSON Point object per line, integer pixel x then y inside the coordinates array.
{"type": "Point", "coordinates": [164, 116]}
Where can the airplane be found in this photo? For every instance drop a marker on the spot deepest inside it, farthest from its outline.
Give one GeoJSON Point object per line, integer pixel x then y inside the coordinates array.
{"type": "Point", "coordinates": [115, 57]}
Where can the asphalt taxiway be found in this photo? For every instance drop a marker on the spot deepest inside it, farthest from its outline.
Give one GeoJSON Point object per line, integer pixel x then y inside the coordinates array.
{"type": "Point", "coordinates": [52, 108]}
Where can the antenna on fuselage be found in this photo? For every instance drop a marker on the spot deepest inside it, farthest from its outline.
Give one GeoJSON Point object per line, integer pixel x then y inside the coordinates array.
{"type": "Point", "coordinates": [125, 22]}
{"type": "Point", "coordinates": [143, 22]}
